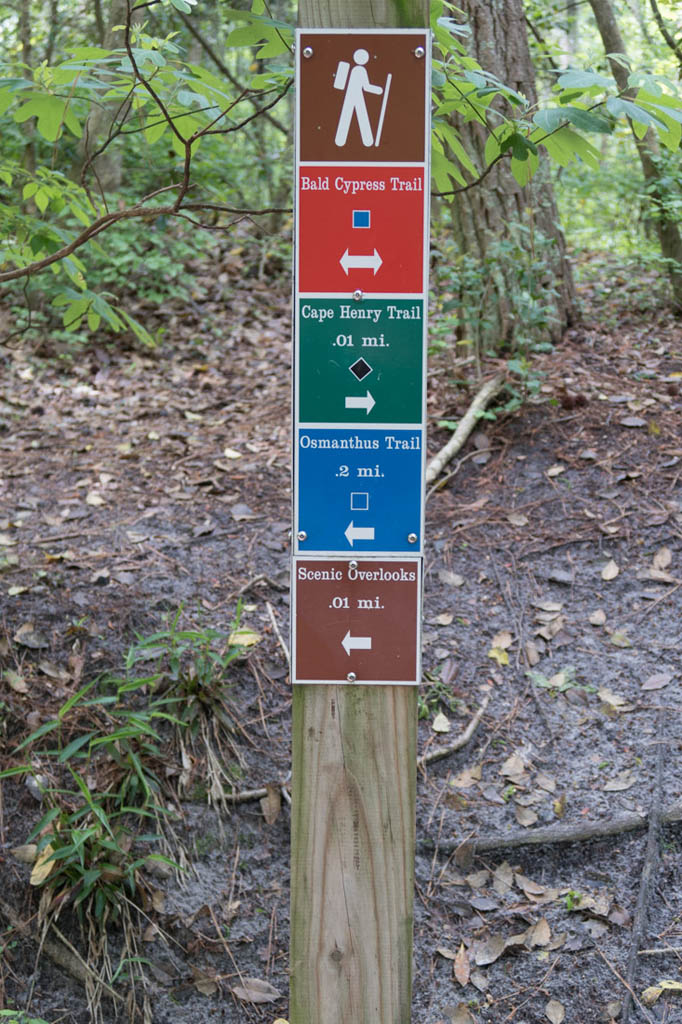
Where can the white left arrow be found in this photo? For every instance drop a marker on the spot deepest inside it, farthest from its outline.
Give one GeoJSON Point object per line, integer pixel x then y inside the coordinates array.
{"type": "Point", "coordinates": [353, 533]}
{"type": "Point", "coordinates": [356, 643]}
{"type": "Point", "coordinates": [367, 403]}
{"type": "Point", "coordinates": [349, 262]}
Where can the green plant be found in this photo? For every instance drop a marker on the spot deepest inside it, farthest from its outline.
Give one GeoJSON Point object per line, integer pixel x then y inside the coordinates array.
{"type": "Point", "coordinates": [438, 695]}
{"type": "Point", "coordinates": [19, 1017]}
{"type": "Point", "coordinates": [572, 900]}
{"type": "Point", "coordinates": [561, 681]}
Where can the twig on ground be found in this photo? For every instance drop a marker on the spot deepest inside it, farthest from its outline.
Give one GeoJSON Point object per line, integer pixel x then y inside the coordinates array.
{"type": "Point", "coordinates": [273, 620]}
{"type": "Point", "coordinates": [624, 982]}
{"type": "Point", "coordinates": [561, 833]}
{"type": "Point", "coordinates": [461, 741]}
{"type": "Point", "coordinates": [648, 871]}
{"type": "Point", "coordinates": [464, 427]}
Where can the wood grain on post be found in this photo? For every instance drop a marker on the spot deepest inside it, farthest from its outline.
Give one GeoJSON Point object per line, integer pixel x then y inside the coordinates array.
{"type": "Point", "coordinates": [353, 790]}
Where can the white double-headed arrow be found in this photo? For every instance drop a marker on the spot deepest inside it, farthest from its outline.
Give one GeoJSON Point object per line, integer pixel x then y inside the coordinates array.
{"type": "Point", "coordinates": [349, 262]}
{"type": "Point", "coordinates": [353, 533]}
{"type": "Point", "coordinates": [356, 643]}
{"type": "Point", "coordinates": [367, 403]}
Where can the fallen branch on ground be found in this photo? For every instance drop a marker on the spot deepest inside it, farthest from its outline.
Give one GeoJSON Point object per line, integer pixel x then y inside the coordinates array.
{"type": "Point", "coordinates": [439, 752]}
{"type": "Point", "coordinates": [561, 833]}
{"type": "Point", "coordinates": [464, 427]}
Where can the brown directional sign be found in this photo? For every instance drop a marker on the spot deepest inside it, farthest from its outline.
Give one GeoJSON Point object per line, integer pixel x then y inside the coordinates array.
{"type": "Point", "coordinates": [356, 621]}
{"type": "Point", "coordinates": [362, 97]}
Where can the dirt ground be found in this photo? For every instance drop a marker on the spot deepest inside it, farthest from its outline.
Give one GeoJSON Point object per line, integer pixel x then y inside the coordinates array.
{"type": "Point", "coordinates": [135, 484]}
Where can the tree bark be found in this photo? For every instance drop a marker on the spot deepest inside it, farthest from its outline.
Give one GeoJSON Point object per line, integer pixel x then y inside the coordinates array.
{"type": "Point", "coordinates": [363, 13]}
{"type": "Point", "coordinates": [667, 227]}
{"type": "Point", "coordinates": [512, 233]}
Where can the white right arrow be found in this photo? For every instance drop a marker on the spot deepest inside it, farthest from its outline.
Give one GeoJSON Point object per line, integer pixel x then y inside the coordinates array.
{"type": "Point", "coordinates": [356, 643]}
{"type": "Point", "coordinates": [353, 533]}
{"type": "Point", "coordinates": [367, 403]}
{"type": "Point", "coordinates": [349, 262]}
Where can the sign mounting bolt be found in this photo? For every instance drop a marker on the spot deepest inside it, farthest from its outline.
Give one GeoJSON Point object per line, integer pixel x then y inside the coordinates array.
{"type": "Point", "coordinates": [351, 677]}
{"type": "Point", "coordinates": [412, 538]}
{"type": "Point", "coordinates": [302, 535]}
{"type": "Point", "coordinates": [358, 294]}
{"type": "Point", "coordinates": [308, 51]}
{"type": "Point", "coordinates": [419, 52]}
{"type": "Point", "coordinates": [352, 564]}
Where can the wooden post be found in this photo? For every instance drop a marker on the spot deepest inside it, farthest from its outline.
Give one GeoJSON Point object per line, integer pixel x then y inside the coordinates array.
{"type": "Point", "coordinates": [353, 793]}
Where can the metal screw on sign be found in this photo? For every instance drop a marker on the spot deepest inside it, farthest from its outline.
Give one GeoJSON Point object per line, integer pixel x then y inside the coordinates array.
{"type": "Point", "coordinates": [412, 538]}
{"type": "Point", "coordinates": [307, 51]}
{"type": "Point", "coordinates": [352, 564]}
{"type": "Point", "coordinates": [302, 535]}
{"type": "Point", "coordinates": [351, 677]}
{"type": "Point", "coordinates": [357, 294]}
{"type": "Point", "coordinates": [419, 52]}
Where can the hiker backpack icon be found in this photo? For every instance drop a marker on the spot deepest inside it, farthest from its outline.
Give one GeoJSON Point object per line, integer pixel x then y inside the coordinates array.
{"type": "Point", "coordinates": [356, 84]}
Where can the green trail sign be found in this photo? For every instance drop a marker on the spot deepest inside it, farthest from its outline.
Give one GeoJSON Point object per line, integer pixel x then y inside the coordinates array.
{"type": "Point", "coordinates": [360, 361]}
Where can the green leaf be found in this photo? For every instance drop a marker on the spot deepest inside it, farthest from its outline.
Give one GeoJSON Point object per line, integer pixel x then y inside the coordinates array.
{"type": "Point", "coordinates": [617, 106]}
{"type": "Point", "coordinates": [579, 79]}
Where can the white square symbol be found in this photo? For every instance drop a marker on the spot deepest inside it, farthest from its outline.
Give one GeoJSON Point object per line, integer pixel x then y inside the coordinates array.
{"type": "Point", "coordinates": [359, 501]}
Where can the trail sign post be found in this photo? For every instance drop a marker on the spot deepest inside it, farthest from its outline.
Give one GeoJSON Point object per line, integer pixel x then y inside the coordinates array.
{"type": "Point", "coordinates": [361, 274]}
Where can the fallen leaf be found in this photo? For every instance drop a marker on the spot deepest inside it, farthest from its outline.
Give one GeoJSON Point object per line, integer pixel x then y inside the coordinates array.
{"type": "Point", "coordinates": [632, 421]}
{"type": "Point", "coordinates": [610, 571]}
{"type": "Point", "coordinates": [532, 653]}
{"type": "Point", "coordinates": [545, 782]}
{"type": "Point", "coordinates": [231, 453]}
{"type": "Point", "coordinates": [462, 968]}
{"type": "Point", "coordinates": [441, 723]}
{"type": "Point", "coordinates": [27, 636]}
{"type": "Point", "coordinates": [43, 865]}
{"type": "Point", "coordinates": [445, 619]}
{"type": "Point", "coordinates": [624, 780]}
{"type": "Point", "coordinates": [452, 579]}
{"type": "Point", "coordinates": [467, 778]}
{"type": "Point", "coordinates": [555, 1011]}
{"type": "Point", "coordinates": [657, 681]}
{"type": "Point", "coordinates": [244, 638]}
{"type": "Point", "coordinates": [488, 951]}
{"type": "Point", "coordinates": [598, 617]}
{"type": "Point", "coordinates": [503, 878]}
{"type": "Point", "coordinates": [271, 804]}
{"type": "Point", "coordinates": [25, 854]}
{"type": "Point", "coordinates": [517, 519]}
{"type": "Point", "coordinates": [498, 655]}
{"type": "Point", "coordinates": [255, 990]}
{"type": "Point", "coordinates": [15, 681]}
{"type": "Point", "coordinates": [204, 983]}
{"type": "Point", "coordinates": [48, 668]}
{"type": "Point", "coordinates": [447, 953]}
{"type": "Point", "coordinates": [539, 934]}
{"type": "Point", "coordinates": [459, 1014]}
{"type": "Point", "coordinates": [620, 639]}
{"type": "Point", "coordinates": [15, 591]}
{"type": "Point", "coordinates": [528, 885]}
{"type": "Point", "coordinates": [556, 470]}
{"type": "Point", "coordinates": [513, 768]}
{"type": "Point", "coordinates": [662, 558]}
{"type": "Point", "coordinates": [614, 700]}
{"type": "Point", "coordinates": [525, 816]}
{"type": "Point", "coordinates": [94, 498]}
{"type": "Point", "coordinates": [477, 879]}
{"type": "Point", "coordinates": [503, 639]}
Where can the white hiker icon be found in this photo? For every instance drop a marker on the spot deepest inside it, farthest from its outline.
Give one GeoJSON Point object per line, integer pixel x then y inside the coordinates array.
{"type": "Point", "coordinates": [356, 84]}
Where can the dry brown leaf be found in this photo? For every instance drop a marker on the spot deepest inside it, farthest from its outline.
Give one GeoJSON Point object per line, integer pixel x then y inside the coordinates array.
{"type": "Point", "coordinates": [43, 865]}
{"type": "Point", "coordinates": [488, 951]}
{"type": "Point", "coordinates": [525, 816]}
{"type": "Point", "coordinates": [503, 878]}
{"type": "Point", "coordinates": [555, 1011]}
{"type": "Point", "coordinates": [461, 967]}
{"type": "Point", "coordinates": [556, 470]}
{"type": "Point", "coordinates": [503, 640]}
{"type": "Point", "coordinates": [459, 1014]}
{"type": "Point", "coordinates": [477, 879]}
{"type": "Point", "coordinates": [15, 681]}
{"type": "Point", "coordinates": [513, 768]}
{"type": "Point", "coordinates": [657, 681]}
{"type": "Point", "coordinates": [517, 519]}
{"type": "Point", "coordinates": [539, 934]}
{"type": "Point", "coordinates": [445, 619]}
{"type": "Point", "coordinates": [610, 571]}
{"type": "Point", "coordinates": [271, 803]}
{"type": "Point", "coordinates": [624, 780]}
{"type": "Point", "coordinates": [467, 778]}
{"type": "Point", "coordinates": [528, 885]}
{"type": "Point", "coordinates": [598, 617]}
{"type": "Point", "coordinates": [255, 990]}
{"type": "Point", "coordinates": [204, 983]}
{"type": "Point", "coordinates": [532, 653]}
{"type": "Point", "coordinates": [25, 854]}
{"type": "Point", "coordinates": [447, 953]}
{"type": "Point", "coordinates": [662, 558]}
{"type": "Point", "coordinates": [441, 723]}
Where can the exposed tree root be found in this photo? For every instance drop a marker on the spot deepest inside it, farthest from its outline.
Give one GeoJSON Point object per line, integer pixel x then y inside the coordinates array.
{"type": "Point", "coordinates": [464, 427]}
{"type": "Point", "coordinates": [561, 833]}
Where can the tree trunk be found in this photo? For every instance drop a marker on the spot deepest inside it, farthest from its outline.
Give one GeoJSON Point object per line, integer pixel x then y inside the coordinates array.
{"type": "Point", "coordinates": [363, 13]}
{"type": "Point", "coordinates": [107, 165]}
{"type": "Point", "coordinates": [520, 282]}
{"type": "Point", "coordinates": [667, 227]}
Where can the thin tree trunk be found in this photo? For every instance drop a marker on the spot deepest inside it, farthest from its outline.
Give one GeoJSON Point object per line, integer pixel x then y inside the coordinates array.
{"type": "Point", "coordinates": [667, 226]}
{"type": "Point", "coordinates": [510, 233]}
{"type": "Point", "coordinates": [26, 55]}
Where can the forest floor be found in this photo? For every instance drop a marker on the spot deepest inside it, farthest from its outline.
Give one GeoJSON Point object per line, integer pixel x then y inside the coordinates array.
{"type": "Point", "coordinates": [136, 486]}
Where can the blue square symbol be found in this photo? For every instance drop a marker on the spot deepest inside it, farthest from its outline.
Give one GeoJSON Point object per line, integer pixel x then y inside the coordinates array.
{"type": "Point", "coordinates": [361, 218]}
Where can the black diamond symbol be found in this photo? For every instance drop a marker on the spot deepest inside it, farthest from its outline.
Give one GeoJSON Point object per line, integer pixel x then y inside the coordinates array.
{"type": "Point", "coordinates": [360, 369]}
